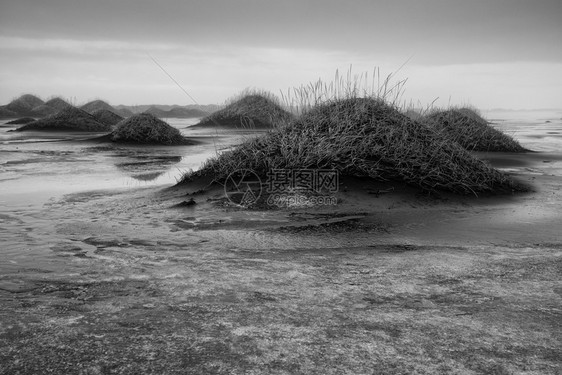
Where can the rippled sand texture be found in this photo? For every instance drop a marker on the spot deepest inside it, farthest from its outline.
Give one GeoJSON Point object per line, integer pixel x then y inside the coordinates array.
{"type": "Point", "coordinates": [113, 279]}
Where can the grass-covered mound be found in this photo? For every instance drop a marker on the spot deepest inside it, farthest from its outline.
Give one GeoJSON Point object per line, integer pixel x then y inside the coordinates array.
{"type": "Point", "coordinates": [107, 117]}
{"type": "Point", "coordinates": [24, 104]}
{"type": "Point", "coordinates": [466, 127]}
{"type": "Point", "coordinates": [250, 109]}
{"type": "Point", "coordinates": [6, 113]}
{"type": "Point", "coordinates": [176, 112]}
{"type": "Point", "coordinates": [21, 121]}
{"type": "Point", "coordinates": [97, 105]}
{"type": "Point", "coordinates": [147, 129]}
{"type": "Point", "coordinates": [362, 137]}
{"type": "Point", "coordinates": [69, 119]}
{"type": "Point", "coordinates": [57, 104]}
{"type": "Point", "coordinates": [49, 108]}
{"type": "Point", "coordinates": [181, 112]}
{"type": "Point", "coordinates": [43, 111]}
{"type": "Point", "coordinates": [123, 111]}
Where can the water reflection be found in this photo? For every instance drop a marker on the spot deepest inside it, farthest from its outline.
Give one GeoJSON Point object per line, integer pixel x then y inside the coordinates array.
{"type": "Point", "coordinates": [144, 165]}
{"type": "Point", "coordinates": [151, 176]}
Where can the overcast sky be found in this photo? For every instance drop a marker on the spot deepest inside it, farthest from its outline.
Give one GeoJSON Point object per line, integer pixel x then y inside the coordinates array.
{"type": "Point", "coordinates": [488, 53]}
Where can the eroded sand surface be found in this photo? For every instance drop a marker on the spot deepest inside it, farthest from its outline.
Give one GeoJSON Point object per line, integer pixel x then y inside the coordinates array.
{"type": "Point", "coordinates": [389, 281]}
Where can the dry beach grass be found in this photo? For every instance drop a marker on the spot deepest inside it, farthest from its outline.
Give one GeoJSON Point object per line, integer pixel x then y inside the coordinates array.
{"type": "Point", "coordinates": [250, 109]}
{"type": "Point", "coordinates": [106, 116]}
{"type": "Point", "coordinates": [367, 137]}
{"type": "Point", "coordinates": [21, 121]}
{"type": "Point", "coordinates": [144, 128]}
{"type": "Point", "coordinates": [68, 119]}
{"type": "Point", "coordinates": [24, 104]}
{"type": "Point", "coordinates": [96, 105]}
{"type": "Point", "coordinates": [470, 130]}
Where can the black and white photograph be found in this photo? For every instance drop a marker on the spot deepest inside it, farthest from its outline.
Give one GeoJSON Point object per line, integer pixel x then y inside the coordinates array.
{"type": "Point", "coordinates": [281, 187]}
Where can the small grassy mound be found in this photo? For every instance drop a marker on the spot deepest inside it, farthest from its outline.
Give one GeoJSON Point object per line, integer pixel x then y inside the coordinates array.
{"type": "Point", "coordinates": [69, 119]}
{"type": "Point", "coordinates": [21, 121]}
{"type": "Point", "coordinates": [43, 111]}
{"type": "Point", "coordinates": [250, 109]}
{"type": "Point", "coordinates": [58, 104]}
{"type": "Point", "coordinates": [96, 105]}
{"type": "Point", "coordinates": [466, 127]}
{"type": "Point", "coordinates": [24, 104]}
{"type": "Point", "coordinates": [179, 112]}
{"type": "Point", "coordinates": [6, 113]}
{"type": "Point", "coordinates": [363, 137]}
{"type": "Point", "coordinates": [147, 129]}
{"type": "Point", "coordinates": [107, 117]}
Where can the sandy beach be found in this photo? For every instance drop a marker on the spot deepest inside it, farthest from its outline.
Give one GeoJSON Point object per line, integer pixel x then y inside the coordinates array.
{"type": "Point", "coordinates": [116, 279]}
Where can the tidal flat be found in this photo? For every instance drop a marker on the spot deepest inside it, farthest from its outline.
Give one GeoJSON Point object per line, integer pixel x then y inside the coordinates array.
{"type": "Point", "coordinates": [101, 273]}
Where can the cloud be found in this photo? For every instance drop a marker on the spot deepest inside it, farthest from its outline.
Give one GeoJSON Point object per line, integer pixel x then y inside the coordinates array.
{"type": "Point", "coordinates": [121, 71]}
{"type": "Point", "coordinates": [57, 66]}
{"type": "Point", "coordinates": [216, 48]}
{"type": "Point", "coordinates": [19, 46]}
{"type": "Point", "coordinates": [491, 85]}
{"type": "Point", "coordinates": [435, 31]}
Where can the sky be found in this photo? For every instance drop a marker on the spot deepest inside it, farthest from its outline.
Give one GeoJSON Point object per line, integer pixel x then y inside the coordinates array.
{"type": "Point", "coordinates": [484, 53]}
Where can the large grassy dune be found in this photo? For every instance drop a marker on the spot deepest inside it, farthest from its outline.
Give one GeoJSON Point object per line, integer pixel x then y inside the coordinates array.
{"type": "Point", "coordinates": [363, 137]}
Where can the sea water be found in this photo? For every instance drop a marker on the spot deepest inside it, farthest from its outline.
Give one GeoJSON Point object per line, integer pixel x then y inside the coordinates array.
{"type": "Point", "coordinates": [38, 170]}
{"type": "Point", "coordinates": [38, 166]}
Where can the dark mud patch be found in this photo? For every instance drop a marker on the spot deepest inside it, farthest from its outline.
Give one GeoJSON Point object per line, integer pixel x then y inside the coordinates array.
{"type": "Point", "coordinates": [69, 249]}
{"type": "Point", "coordinates": [148, 162]}
{"type": "Point", "coordinates": [48, 157]}
{"type": "Point", "coordinates": [101, 243]}
{"type": "Point", "coordinates": [397, 248]}
{"type": "Point", "coordinates": [17, 286]}
{"type": "Point", "coordinates": [144, 165]}
{"type": "Point", "coordinates": [329, 224]}
{"type": "Point", "coordinates": [186, 203]}
{"type": "Point", "coordinates": [150, 176]}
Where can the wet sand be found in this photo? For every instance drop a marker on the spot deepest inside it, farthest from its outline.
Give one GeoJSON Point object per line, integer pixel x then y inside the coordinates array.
{"type": "Point", "coordinates": [389, 281]}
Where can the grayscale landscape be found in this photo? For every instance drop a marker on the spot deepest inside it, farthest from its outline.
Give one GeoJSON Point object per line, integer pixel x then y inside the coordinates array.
{"type": "Point", "coordinates": [336, 197]}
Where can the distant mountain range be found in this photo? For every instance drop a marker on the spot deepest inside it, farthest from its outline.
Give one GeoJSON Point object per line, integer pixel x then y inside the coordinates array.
{"type": "Point", "coordinates": [31, 106]}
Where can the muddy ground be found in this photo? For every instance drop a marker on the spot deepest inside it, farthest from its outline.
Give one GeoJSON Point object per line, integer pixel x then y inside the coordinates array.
{"type": "Point", "coordinates": [390, 281]}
